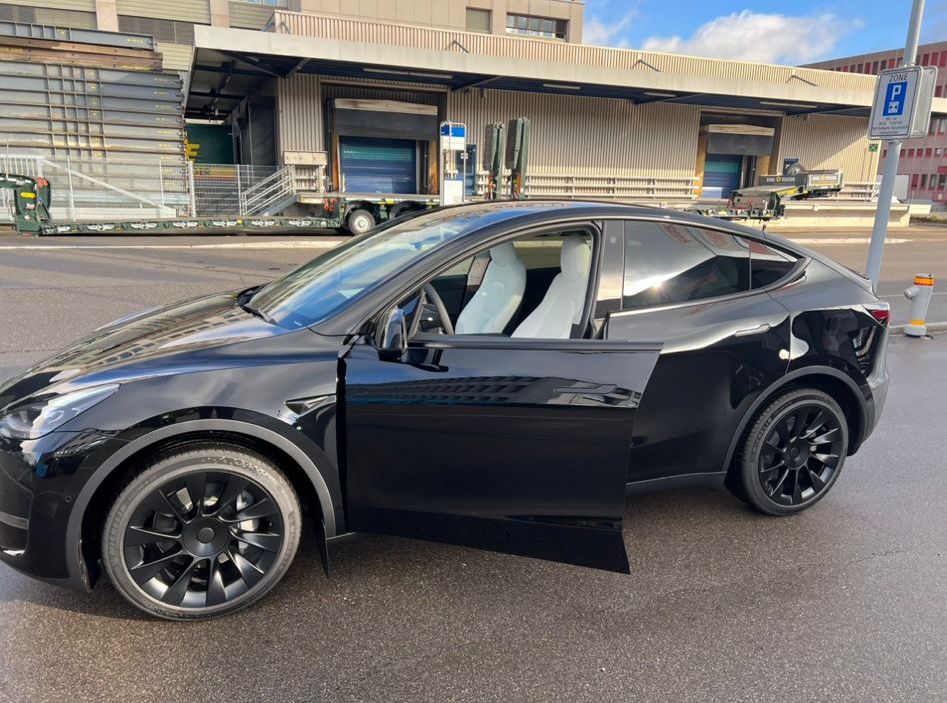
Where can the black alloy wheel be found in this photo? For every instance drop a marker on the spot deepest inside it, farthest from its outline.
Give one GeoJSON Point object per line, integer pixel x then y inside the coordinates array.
{"type": "Point", "coordinates": [794, 452]}
{"type": "Point", "coordinates": [201, 532]}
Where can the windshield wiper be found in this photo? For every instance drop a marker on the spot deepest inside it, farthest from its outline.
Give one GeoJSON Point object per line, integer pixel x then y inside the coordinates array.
{"type": "Point", "coordinates": [244, 302]}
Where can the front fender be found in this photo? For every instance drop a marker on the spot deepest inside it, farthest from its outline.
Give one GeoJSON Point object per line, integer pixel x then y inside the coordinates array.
{"type": "Point", "coordinates": [320, 469]}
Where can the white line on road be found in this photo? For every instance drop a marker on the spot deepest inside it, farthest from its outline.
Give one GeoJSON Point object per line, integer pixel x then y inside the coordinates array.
{"type": "Point", "coordinates": [306, 244]}
{"type": "Point", "coordinates": [843, 240]}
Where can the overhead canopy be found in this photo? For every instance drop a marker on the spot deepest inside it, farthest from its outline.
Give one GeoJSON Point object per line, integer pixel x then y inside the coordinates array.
{"type": "Point", "coordinates": [231, 64]}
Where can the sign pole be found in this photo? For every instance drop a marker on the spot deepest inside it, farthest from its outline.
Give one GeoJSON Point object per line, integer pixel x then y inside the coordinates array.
{"type": "Point", "coordinates": [883, 212]}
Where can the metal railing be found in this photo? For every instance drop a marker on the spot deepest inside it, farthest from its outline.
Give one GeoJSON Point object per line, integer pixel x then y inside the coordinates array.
{"type": "Point", "coordinates": [667, 66]}
{"type": "Point", "coordinates": [219, 188]}
{"type": "Point", "coordinates": [270, 195]}
{"type": "Point", "coordinates": [89, 190]}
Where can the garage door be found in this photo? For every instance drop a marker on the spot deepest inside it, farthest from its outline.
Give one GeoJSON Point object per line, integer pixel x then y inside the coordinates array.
{"type": "Point", "coordinates": [378, 165]}
{"type": "Point", "coordinates": [721, 175]}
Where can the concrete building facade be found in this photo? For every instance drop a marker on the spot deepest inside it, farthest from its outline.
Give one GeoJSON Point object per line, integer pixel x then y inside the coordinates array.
{"type": "Point", "coordinates": [923, 161]}
{"type": "Point", "coordinates": [172, 24]}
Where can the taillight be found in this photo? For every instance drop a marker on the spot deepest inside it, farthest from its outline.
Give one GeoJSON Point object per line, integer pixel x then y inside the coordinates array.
{"type": "Point", "coordinates": [880, 311]}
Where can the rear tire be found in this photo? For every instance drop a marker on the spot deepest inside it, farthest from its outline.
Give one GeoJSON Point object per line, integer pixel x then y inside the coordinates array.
{"type": "Point", "coordinates": [793, 452]}
{"type": "Point", "coordinates": [202, 532]}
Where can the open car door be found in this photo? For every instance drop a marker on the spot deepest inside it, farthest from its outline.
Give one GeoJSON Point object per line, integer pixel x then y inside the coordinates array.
{"type": "Point", "coordinates": [508, 444]}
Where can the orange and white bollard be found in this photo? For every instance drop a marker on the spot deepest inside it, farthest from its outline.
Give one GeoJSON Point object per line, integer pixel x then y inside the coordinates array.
{"type": "Point", "coordinates": [920, 296]}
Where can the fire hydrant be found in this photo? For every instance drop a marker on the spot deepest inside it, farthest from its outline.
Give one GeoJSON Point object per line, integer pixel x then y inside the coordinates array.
{"type": "Point", "coordinates": [920, 296]}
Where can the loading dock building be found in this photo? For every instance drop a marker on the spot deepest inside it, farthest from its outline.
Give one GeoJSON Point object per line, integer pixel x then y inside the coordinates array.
{"type": "Point", "coordinates": [357, 103]}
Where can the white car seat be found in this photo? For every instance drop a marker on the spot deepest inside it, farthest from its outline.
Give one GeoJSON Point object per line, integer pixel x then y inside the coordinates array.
{"type": "Point", "coordinates": [564, 302]}
{"type": "Point", "coordinates": [499, 295]}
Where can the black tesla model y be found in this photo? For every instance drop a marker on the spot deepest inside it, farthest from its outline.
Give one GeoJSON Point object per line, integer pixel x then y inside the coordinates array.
{"type": "Point", "coordinates": [493, 375]}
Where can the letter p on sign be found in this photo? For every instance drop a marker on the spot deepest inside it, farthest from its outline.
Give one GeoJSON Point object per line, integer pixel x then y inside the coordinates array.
{"type": "Point", "coordinates": [894, 98]}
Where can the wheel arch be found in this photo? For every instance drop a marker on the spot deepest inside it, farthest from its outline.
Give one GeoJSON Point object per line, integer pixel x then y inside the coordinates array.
{"type": "Point", "coordinates": [825, 378]}
{"type": "Point", "coordinates": [302, 472]}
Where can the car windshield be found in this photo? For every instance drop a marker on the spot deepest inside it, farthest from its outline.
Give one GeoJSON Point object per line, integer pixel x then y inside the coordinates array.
{"type": "Point", "coordinates": [317, 289]}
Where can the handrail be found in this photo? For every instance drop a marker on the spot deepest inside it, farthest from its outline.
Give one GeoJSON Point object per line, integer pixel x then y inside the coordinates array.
{"type": "Point", "coordinates": [272, 190]}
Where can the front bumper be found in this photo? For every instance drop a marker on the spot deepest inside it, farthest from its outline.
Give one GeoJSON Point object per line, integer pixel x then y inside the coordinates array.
{"type": "Point", "coordinates": [39, 480]}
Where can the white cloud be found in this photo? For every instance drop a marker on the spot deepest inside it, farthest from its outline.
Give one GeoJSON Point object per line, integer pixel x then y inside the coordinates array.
{"type": "Point", "coordinates": [606, 33]}
{"type": "Point", "coordinates": [766, 38]}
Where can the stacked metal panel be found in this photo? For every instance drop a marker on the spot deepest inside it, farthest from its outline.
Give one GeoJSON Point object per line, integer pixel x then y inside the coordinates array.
{"type": "Point", "coordinates": [86, 94]}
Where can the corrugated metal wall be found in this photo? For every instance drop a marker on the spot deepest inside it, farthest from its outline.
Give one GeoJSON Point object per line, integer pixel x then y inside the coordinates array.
{"type": "Point", "coordinates": [299, 114]}
{"type": "Point", "coordinates": [86, 5]}
{"type": "Point", "coordinates": [175, 57]}
{"type": "Point", "coordinates": [830, 141]}
{"type": "Point", "coordinates": [301, 100]}
{"type": "Point", "coordinates": [181, 10]}
{"type": "Point", "coordinates": [249, 16]}
{"type": "Point", "coordinates": [590, 136]}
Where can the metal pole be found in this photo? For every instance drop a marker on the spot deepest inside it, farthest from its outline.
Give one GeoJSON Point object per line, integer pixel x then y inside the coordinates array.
{"type": "Point", "coordinates": [882, 213]}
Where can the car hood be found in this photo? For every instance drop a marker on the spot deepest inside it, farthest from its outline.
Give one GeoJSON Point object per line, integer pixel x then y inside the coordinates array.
{"type": "Point", "coordinates": [116, 352]}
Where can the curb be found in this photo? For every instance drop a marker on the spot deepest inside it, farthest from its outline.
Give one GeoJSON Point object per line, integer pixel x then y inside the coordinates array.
{"type": "Point", "coordinates": [931, 327]}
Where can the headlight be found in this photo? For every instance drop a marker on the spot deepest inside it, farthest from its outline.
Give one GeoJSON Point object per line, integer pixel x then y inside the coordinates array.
{"type": "Point", "coordinates": [33, 419]}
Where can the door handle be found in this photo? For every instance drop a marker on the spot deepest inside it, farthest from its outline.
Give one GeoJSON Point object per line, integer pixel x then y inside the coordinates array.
{"type": "Point", "coordinates": [759, 329]}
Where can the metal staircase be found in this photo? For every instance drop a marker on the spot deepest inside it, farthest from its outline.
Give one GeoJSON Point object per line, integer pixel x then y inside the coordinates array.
{"type": "Point", "coordinates": [271, 195]}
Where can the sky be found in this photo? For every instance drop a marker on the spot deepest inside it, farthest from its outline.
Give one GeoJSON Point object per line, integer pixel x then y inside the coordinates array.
{"type": "Point", "coordinates": [791, 33]}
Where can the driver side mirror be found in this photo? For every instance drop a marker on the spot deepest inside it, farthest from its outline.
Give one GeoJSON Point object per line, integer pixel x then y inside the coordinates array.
{"type": "Point", "coordinates": [391, 335]}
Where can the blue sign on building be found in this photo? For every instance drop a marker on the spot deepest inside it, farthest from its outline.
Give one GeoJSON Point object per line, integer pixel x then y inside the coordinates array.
{"type": "Point", "coordinates": [894, 98]}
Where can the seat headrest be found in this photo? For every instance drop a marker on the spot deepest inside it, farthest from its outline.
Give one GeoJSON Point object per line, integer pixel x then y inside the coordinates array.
{"type": "Point", "coordinates": [576, 257]}
{"type": "Point", "coordinates": [504, 254]}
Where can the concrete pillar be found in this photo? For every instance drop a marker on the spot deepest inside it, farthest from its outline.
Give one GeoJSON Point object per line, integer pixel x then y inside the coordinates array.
{"type": "Point", "coordinates": [701, 160]}
{"type": "Point", "coordinates": [106, 15]}
{"type": "Point", "coordinates": [220, 13]}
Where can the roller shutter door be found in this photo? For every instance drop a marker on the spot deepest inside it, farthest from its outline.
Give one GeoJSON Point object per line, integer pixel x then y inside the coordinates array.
{"type": "Point", "coordinates": [721, 175]}
{"type": "Point", "coordinates": [378, 165]}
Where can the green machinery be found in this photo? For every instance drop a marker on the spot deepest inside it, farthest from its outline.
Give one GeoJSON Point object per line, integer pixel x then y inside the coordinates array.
{"type": "Point", "coordinates": [31, 202]}
{"type": "Point", "coordinates": [506, 146]}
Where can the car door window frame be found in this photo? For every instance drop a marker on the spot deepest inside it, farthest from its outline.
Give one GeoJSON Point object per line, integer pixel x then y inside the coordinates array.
{"type": "Point", "coordinates": [592, 228]}
{"type": "Point", "coordinates": [802, 261]}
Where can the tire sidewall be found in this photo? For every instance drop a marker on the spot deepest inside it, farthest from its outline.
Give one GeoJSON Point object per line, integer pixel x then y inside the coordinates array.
{"type": "Point", "coordinates": [238, 462]}
{"type": "Point", "coordinates": [773, 413]}
{"type": "Point", "coordinates": [360, 215]}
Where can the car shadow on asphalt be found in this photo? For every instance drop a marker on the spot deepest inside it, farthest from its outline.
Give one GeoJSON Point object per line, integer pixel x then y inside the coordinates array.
{"type": "Point", "coordinates": [383, 568]}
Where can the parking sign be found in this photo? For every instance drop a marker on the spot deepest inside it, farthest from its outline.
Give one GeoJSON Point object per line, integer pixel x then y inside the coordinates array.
{"type": "Point", "coordinates": [894, 98]}
{"type": "Point", "coordinates": [902, 104]}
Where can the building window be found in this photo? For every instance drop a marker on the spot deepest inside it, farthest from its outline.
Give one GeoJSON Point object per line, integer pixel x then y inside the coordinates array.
{"type": "Point", "coordinates": [478, 20]}
{"type": "Point", "coordinates": [536, 26]}
{"type": "Point", "coordinates": [923, 181]}
{"type": "Point", "coordinates": [914, 180]}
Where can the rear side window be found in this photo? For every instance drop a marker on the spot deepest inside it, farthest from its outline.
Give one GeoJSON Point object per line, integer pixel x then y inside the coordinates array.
{"type": "Point", "coordinates": [668, 263]}
{"type": "Point", "coordinates": [767, 265]}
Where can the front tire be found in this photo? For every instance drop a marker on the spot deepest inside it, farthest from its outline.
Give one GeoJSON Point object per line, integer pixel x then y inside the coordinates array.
{"type": "Point", "coordinates": [793, 453]}
{"type": "Point", "coordinates": [203, 531]}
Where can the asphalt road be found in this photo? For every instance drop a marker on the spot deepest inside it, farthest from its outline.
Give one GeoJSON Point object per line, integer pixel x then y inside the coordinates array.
{"type": "Point", "coordinates": [846, 602]}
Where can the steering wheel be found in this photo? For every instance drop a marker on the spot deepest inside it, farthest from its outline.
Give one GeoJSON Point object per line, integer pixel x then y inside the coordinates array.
{"type": "Point", "coordinates": [428, 292]}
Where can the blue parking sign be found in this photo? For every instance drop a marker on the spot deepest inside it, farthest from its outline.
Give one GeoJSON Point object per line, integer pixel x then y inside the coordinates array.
{"type": "Point", "coordinates": [894, 98]}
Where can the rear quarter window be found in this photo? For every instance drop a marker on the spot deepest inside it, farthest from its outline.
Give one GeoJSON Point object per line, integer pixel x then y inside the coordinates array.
{"type": "Point", "coordinates": [667, 263]}
{"type": "Point", "coordinates": [768, 265]}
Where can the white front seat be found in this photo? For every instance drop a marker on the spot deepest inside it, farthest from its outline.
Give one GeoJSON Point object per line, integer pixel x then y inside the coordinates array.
{"type": "Point", "coordinates": [499, 295]}
{"type": "Point", "coordinates": [564, 302]}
